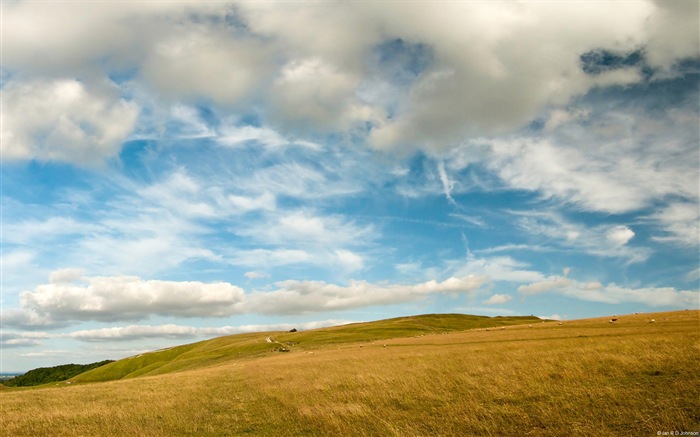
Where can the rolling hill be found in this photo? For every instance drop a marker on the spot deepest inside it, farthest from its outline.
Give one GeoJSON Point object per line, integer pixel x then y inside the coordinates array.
{"type": "Point", "coordinates": [240, 346]}
{"type": "Point", "coordinates": [425, 375]}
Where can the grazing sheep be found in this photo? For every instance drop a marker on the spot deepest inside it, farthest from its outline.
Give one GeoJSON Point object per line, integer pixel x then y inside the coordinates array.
{"type": "Point", "coordinates": [652, 321]}
{"type": "Point", "coordinates": [612, 320]}
{"type": "Point", "coordinates": [560, 323]}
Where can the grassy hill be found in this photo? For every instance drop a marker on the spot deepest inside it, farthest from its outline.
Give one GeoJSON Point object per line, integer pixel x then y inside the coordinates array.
{"type": "Point", "coordinates": [400, 377]}
{"type": "Point", "coordinates": [240, 346]}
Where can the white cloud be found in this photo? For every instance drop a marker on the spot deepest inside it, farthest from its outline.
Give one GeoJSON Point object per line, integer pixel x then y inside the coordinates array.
{"type": "Point", "coordinates": [49, 353]}
{"type": "Point", "coordinates": [473, 81]}
{"type": "Point", "coordinates": [680, 222]}
{"type": "Point", "coordinates": [28, 319]}
{"type": "Point", "coordinates": [242, 204]}
{"type": "Point", "coordinates": [298, 297]}
{"type": "Point", "coordinates": [302, 237]}
{"type": "Point", "coordinates": [313, 90]}
{"type": "Point", "coordinates": [604, 240]}
{"type": "Point", "coordinates": [206, 62]}
{"type": "Point", "coordinates": [180, 193]}
{"type": "Point", "coordinates": [497, 299]}
{"type": "Point", "coordinates": [130, 298]}
{"type": "Point", "coordinates": [256, 275]}
{"type": "Point", "coordinates": [447, 184]}
{"type": "Point", "coordinates": [20, 339]}
{"type": "Point", "coordinates": [614, 294]}
{"type": "Point", "coordinates": [190, 123]}
{"type": "Point", "coordinates": [548, 284]}
{"type": "Point", "coordinates": [672, 28]}
{"type": "Point", "coordinates": [349, 261]}
{"type": "Point", "coordinates": [64, 120]}
{"type": "Point", "coordinates": [608, 160]}
{"type": "Point", "coordinates": [133, 332]}
{"type": "Point", "coordinates": [307, 229]}
{"type": "Point", "coordinates": [64, 276]}
{"type": "Point", "coordinates": [500, 268]}
{"type": "Point", "coordinates": [269, 257]}
{"type": "Point", "coordinates": [619, 235]}
{"type": "Point", "coordinates": [693, 275]}
{"type": "Point", "coordinates": [241, 135]}
{"type": "Point", "coordinates": [28, 232]}
{"type": "Point", "coordinates": [472, 89]}
{"type": "Point", "coordinates": [237, 136]}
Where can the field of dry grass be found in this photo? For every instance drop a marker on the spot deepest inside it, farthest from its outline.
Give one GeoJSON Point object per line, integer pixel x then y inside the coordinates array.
{"type": "Point", "coordinates": [586, 377]}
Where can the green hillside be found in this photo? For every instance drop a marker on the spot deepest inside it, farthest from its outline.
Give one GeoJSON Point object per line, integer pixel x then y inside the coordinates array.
{"type": "Point", "coordinates": [45, 375]}
{"type": "Point", "coordinates": [222, 349]}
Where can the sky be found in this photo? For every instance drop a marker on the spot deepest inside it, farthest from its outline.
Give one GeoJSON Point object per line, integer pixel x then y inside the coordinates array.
{"type": "Point", "coordinates": [176, 171]}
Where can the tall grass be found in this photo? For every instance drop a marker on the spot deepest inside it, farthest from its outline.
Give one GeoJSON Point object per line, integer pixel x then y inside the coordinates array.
{"type": "Point", "coordinates": [585, 377]}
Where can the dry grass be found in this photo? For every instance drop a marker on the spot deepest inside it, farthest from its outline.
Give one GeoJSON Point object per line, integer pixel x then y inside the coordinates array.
{"type": "Point", "coordinates": [586, 377]}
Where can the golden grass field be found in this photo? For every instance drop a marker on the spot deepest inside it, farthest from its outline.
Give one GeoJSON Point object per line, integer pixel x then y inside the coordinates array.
{"type": "Point", "coordinates": [584, 377]}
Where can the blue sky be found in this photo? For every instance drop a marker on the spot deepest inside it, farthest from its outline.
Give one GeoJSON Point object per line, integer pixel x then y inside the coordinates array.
{"type": "Point", "coordinates": [173, 171]}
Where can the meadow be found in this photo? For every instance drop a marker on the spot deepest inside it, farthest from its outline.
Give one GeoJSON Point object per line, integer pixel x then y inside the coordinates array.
{"type": "Point", "coordinates": [433, 376]}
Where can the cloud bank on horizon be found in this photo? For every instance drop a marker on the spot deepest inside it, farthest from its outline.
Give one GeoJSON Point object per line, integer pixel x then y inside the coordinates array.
{"type": "Point", "coordinates": [210, 168]}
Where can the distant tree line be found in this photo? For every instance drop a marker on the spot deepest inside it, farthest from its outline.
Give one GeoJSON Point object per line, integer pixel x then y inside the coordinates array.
{"type": "Point", "coordinates": [44, 375]}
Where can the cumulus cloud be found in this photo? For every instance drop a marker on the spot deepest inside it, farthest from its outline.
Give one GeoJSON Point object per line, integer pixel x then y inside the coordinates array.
{"type": "Point", "coordinates": [64, 120]}
{"type": "Point", "coordinates": [427, 77]}
{"type": "Point", "coordinates": [127, 298]}
{"type": "Point", "coordinates": [181, 65]}
{"type": "Point", "coordinates": [613, 293]}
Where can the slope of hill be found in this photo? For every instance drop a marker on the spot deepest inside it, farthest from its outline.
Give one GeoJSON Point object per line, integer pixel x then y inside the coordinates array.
{"type": "Point", "coordinates": [633, 376]}
{"type": "Point", "coordinates": [252, 345]}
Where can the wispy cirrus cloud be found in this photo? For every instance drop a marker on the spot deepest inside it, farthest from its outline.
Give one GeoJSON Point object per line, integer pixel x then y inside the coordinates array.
{"type": "Point", "coordinates": [679, 223]}
{"type": "Point", "coordinates": [610, 241]}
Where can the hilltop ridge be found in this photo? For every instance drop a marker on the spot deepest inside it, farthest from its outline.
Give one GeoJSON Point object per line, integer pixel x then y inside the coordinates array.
{"type": "Point", "coordinates": [250, 345]}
